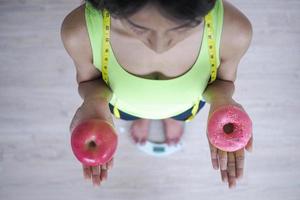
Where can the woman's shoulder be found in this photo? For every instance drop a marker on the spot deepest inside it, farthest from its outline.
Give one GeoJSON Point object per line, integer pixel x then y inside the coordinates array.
{"type": "Point", "coordinates": [73, 30]}
{"type": "Point", "coordinates": [75, 38]}
{"type": "Point", "coordinates": [235, 41]}
{"type": "Point", "coordinates": [237, 30]}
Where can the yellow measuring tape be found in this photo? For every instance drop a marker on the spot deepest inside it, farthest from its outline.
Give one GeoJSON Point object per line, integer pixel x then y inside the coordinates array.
{"type": "Point", "coordinates": [211, 46]}
{"type": "Point", "coordinates": [105, 53]}
{"type": "Point", "coordinates": [105, 49]}
{"type": "Point", "coordinates": [212, 58]}
{"type": "Point", "coordinates": [211, 51]}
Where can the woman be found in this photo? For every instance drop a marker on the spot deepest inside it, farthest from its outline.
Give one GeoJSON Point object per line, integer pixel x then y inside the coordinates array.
{"type": "Point", "coordinates": [157, 64]}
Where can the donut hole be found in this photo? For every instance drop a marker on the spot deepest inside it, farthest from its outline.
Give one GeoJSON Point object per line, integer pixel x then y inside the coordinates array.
{"type": "Point", "coordinates": [228, 128]}
{"type": "Point", "coordinates": [92, 144]}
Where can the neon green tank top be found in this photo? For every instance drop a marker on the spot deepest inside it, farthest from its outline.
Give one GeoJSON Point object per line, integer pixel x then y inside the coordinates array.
{"type": "Point", "coordinates": [155, 99]}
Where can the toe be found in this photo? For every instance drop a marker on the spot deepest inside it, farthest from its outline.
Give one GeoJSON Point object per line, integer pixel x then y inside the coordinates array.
{"type": "Point", "coordinates": [139, 131]}
{"type": "Point", "coordinates": [177, 141]}
{"type": "Point", "coordinates": [172, 142]}
{"type": "Point", "coordinates": [168, 142]}
{"type": "Point", "coordinates": [173, 131]}
{"type": "Point", "coordinates": [143, 142]}
{"type": "Point", "coordinates": [135, 139]}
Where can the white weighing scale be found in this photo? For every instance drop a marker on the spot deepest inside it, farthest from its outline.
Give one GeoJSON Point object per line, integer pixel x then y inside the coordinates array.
{"type": "Point", "coordinates": [155, 145]}
{"type": "Point", "coordinates": [159, 149]}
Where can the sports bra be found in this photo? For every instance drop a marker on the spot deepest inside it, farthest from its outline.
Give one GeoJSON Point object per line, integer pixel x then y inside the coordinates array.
{"type": "Point", "coordinates": [155, 99]}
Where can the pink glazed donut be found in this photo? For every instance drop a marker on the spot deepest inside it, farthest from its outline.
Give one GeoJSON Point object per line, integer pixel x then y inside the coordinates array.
{"type": "Point", "coordinates": [229, 128]}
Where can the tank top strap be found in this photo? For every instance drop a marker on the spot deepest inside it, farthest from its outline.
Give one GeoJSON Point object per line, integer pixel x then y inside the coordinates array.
{"type": "Point", "coordinates": [98, 27]}
{"type": "Point", "coordinates": [94, 20]}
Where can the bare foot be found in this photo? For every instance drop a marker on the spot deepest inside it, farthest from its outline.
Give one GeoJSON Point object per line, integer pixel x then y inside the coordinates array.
{"type": "Point", "coordinates": [139, 130]}
{"type": "Point", "coordinates": [173, 130]}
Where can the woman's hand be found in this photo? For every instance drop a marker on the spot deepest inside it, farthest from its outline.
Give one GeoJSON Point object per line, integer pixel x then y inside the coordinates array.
{"type": "Point", "coordinates": [93, 108]}
{"type": "Point", "coordinates": [231, 164]}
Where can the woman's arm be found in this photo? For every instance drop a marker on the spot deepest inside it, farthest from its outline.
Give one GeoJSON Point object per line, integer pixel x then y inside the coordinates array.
{"type": "Point", "coordinates": [218, 90]}
{"type": "Point", "coordinates": [94, 90]}
{"type": "Point", "coordinates": [235, 40]}
{"type": "Point", "coordinates": [91, 87]}
{"type": "Point", "coordinates": [75, 39]}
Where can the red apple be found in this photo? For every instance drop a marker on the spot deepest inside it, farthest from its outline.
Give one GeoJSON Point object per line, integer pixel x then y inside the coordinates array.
{"type": "Point", "coordinates": [94, 142]}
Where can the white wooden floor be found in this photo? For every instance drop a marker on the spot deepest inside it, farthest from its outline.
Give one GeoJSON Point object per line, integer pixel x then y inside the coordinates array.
{"type": "Point", "coordinates": [38, 97]}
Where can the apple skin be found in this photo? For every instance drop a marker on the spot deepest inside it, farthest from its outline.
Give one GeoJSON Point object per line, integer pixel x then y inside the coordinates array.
{"type": "Point", "coordinates": [94, 142]}
{"type": "Point", "coordinates": [241, 128]}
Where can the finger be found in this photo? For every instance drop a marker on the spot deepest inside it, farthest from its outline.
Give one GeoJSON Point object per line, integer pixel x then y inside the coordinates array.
{"type": "Point", "coordinates": [222, 157]}
{"type": "Point", "coordinates": [249, 146]}
{"type": "Point", "coordinates": [96, 175]}
{"type": "Point", "coordinates": [224, 175]}
{"type": "Point", "coordinates": [103, 167]}
{"type": "Point", "coordinates": [103, 175]}
{"type": "Point", "coordinates": [86, 171]}
{"type": "Point", "coordinates": [214, 158]}
{"type": "Point", "coordinates": [75, 121]}
{"type": "Point", "coordinates": [231, 170]}
{"type": "Point", "coordinates": [110, 164]}
{"type": "Point", "coordinates": [231, 181]}
{"type": "Point", "coordinates": [239, 161]}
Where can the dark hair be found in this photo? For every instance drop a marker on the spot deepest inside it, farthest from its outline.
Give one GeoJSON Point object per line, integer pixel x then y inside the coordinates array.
{"type": "Point", "coordinates": [181, 10]}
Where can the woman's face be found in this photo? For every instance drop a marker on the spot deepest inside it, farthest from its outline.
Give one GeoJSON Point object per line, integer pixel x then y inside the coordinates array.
{"type": "Point", "coordinates": [155, 30]}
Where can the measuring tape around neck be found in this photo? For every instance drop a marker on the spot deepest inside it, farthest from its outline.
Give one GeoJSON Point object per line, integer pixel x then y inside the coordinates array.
{"type": "Point", "coordinates": [211, 52]}
{"type": "Point", "coordinates": [105, 45]}
{"type": "Point", "coordinates": [211, 46]}
{"type": "Point", "coordinates": [105, 54]}
{"type": "Point", "coordinates": [212, 58]}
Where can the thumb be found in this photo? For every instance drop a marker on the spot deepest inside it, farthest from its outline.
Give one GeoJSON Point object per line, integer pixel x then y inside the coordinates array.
{"type": "Point", "coordinates": [75, 121]}
{"type": "Point", "coordinates": [214, 156]}
{"type": "Point", "coordinates": [73, 124]}
{"type": "Point", "coordinates": [249, 146]}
